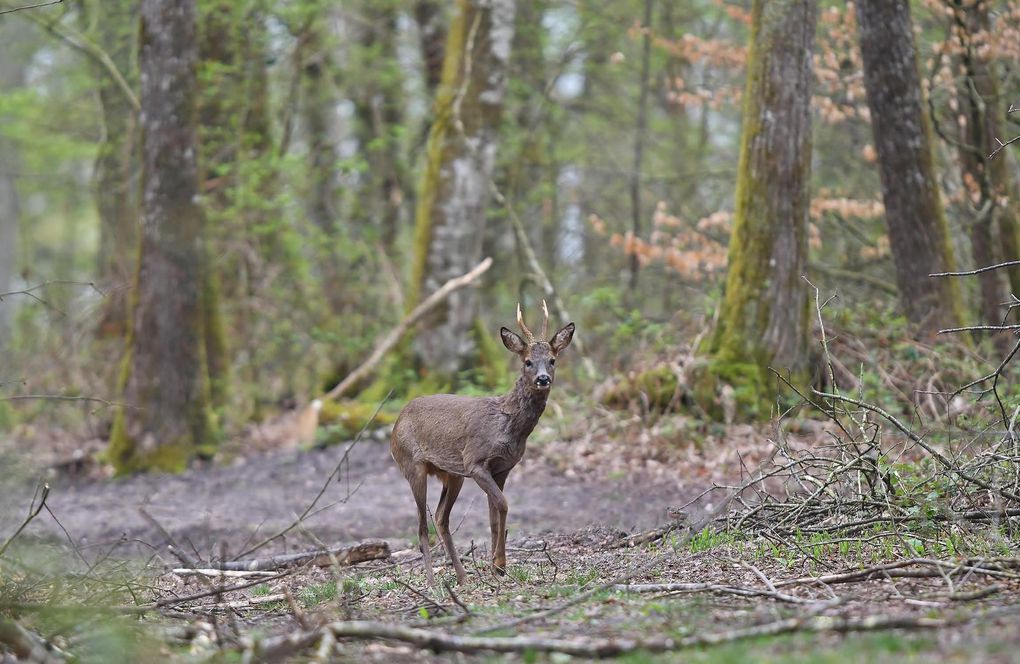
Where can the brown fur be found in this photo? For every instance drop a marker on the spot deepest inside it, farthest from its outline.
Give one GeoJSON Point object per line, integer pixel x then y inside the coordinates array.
{"type": "Point", "coordinates": [454, 437]}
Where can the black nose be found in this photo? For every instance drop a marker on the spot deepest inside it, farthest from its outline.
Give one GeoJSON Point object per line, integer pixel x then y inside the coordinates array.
{"type": "Point", "coordinates": [543, 380]}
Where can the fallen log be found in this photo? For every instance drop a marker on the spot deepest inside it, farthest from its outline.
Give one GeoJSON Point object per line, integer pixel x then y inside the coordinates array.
{"type": "Point", "coordinates": [341, 555]}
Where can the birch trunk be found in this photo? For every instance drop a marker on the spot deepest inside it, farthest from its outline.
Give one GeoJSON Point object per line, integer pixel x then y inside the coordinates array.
{"type": "Point", "coordinates": [455, 188]}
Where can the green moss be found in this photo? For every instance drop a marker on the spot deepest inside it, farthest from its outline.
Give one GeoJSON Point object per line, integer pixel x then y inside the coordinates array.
{"type": "Point", "coordinates": [436, 151]}
{"type": "Point", "coordinates": [342, 420]}
{"type": "Point", "coordinates": [123, 452]}
{"type": "Point", "coordinates": [658, 385]}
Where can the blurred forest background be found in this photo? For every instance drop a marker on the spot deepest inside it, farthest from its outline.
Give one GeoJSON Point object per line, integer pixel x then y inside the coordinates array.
{"type": "Point", "coordinates": [211, 214]}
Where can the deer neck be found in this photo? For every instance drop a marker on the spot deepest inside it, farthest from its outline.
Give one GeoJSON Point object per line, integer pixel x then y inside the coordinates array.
{"type": "Point", "coordinates": [524, 406]}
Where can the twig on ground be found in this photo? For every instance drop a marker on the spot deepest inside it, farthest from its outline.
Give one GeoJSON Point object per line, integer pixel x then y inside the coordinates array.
{"type": "Point", "coordinates": [235, 574]}
{"type": "Point", "coordinates": [899, 569]}
{"type": "Point", "coordinates": [688, 588]}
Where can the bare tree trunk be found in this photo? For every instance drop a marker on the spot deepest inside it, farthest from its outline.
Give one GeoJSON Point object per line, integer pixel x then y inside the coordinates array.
{"type": "Point", "coordinates": [641, 123]}
{"type": "Point", "coordinates": [918, 232]}
{"type": "Point", "coordinates": [763, 320]}
{"type": "Point", "coordinates": [978, 99]}
{"type": "Point", "coordinates": [167, 416]}
{"type": "Point", "coordinates": [455, 188]}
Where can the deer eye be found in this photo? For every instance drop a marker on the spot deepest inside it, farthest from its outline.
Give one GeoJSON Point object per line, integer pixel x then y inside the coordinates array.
{"type": "Point", "coordinates": [527, 363]}
{"type": "Point", "coordinates": [552, 363]}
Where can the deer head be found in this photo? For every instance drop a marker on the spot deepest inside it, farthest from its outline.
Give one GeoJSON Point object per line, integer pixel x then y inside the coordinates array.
{"type": "Point", "coordinates": [538, 357]}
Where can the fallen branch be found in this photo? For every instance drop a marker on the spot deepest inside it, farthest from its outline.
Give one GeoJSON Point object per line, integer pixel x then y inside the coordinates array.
{"type": "Point", "coordinates": [394, 336]}
{"type": "Point", "coordinates": [228, 573]}
{"type": "Point", "coordinates": [939, 568]}
{"type": "Point", "coordinates": [678, 588]}
{"type": "Point", "coordinates": [343, 555]}
{"type": "Point", "coordinates": [282, 647]}
{"type": "Point", "coordinates": [252, 601]}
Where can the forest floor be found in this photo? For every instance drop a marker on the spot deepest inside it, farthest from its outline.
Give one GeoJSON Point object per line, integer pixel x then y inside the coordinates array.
{"type": "Point", "coordinates": [585, 520]}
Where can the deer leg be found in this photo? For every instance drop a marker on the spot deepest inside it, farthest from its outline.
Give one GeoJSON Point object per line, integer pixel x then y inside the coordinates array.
{"type": "Point", "coordinates": [420, 487]}
{"type": "Point", "coordinates": [493, 488]}
{"type": "Point", "coordinates": [449, 496]}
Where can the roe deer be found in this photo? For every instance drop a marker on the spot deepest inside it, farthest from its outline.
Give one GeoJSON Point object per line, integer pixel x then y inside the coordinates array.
{"type": "Point", "coordinates": [453, 437]}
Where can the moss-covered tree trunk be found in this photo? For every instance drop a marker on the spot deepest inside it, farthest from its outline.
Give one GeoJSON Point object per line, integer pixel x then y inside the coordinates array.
{"type": "Point", "coordinates": [455, 188]}
{"type": "Point", "coordinates": [918, 232]}
{"type": "Point", "coordinates": [114, 24]}
{"type": "Point", "coordinates": [763, 321]}
{"type": "Point", "coordinates": [167, 417]}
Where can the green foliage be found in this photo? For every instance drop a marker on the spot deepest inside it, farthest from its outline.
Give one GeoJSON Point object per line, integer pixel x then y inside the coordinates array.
{"type": "Point", "coordinates": [341, 421]}
{"type": "Point", "coordinates": [317, 594]}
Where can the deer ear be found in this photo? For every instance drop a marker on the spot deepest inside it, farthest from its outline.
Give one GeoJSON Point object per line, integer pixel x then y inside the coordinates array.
{"type": "Point", "coordinates": [562, 338]}
{"type": "Point", "coordinates": [513, 343]}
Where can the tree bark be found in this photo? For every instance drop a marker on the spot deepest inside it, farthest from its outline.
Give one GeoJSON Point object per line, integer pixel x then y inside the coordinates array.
{"type": "Point", "coordinates": [428, 14]}
{"type": "Point", "coordinates": [985, 107]}
{"type": "Point", "coordinates": [978, 98]}
{"type": "Point", "coordinates": [455, 187]}
{"type": "Point", "coordinates": [918, 232]}
{"type": "Point", "coordinates": [641, 124]}
{"type": "Point", "coordinates": [763, 320]}
{"type": "Point", "coordinates": [167, 416]}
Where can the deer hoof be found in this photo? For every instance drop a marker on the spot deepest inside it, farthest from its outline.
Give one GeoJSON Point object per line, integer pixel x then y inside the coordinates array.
{"type": "Point", "coordinates": [499, 567]}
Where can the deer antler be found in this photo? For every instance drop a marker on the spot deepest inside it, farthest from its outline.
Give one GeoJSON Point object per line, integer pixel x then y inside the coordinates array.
{"type": "Point", "coordinates": [528, 336]}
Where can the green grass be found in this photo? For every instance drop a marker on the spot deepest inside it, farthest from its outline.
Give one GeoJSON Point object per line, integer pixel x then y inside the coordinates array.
{"type": "Point", "coordinates": [320, 593]}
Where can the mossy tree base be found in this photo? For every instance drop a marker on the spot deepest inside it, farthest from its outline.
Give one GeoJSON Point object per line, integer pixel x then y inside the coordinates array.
{"type": "Point", "coordinates": [717, 389]}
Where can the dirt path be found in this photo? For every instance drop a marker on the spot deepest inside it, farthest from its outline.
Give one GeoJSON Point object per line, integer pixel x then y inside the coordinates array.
{"type": "Point", "coordinates": [228, 506]}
